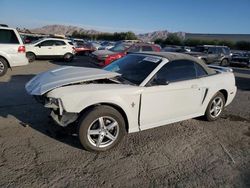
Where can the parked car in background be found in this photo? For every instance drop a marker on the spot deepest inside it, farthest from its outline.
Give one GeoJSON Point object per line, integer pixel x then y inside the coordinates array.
{"type": "Point", "coordinates": [94, 46]}
{"type": "Point", "coordinates": [29, 39]}
{"type": "Point", "coordinates": [82, 47]}
{"type": "Point", "coordinates": [12, 49]}
{"type": "Point", "coordinates": [107, 45]}
{"type": "Point", "coordinates": [50, 48]}
{"type": "Point", "coordinates": [137, 92]}
{"type": "Point", "coordinates": [241, 58]}
{"type": "Point", "coordinates": [180, 49]}
{"type": "Point", "coordinates": [212, 54]}
{"type": "Point", "coordinates": [105, 57]}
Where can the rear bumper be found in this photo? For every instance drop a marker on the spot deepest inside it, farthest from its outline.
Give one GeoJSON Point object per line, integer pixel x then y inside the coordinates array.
{"type": "Point", "coordinates": [20, 62]}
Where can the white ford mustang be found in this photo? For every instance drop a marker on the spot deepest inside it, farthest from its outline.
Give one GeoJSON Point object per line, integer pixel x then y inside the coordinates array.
{"type": "Point", "coordinates": [138, 92]}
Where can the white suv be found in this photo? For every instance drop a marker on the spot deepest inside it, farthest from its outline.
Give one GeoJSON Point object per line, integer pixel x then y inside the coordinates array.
{"type": "Point", "coordinates": [50, 48]}
{"type": "Point", "coordinates": [12, 50]}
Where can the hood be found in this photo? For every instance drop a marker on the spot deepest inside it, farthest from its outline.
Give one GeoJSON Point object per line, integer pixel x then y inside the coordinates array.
{"type": "Point", "coordinates": [65, 75]}
{"type": "Point", "coordinates": [103, 52]}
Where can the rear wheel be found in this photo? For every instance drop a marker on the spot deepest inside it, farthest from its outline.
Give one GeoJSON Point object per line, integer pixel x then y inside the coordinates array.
{"type": "Point", "coordinates": [68, 57]}
{"type": "Point", "coordinates": [31, 56]}
{"type": "Point", "coordinates": [215, 107]}
{"type": "Point", "coordinates": [3, 66]}
{"type": "Point", "coordinates": [101, 128]}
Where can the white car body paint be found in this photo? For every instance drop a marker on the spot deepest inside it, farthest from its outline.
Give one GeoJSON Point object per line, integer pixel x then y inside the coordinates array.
{"type": "Point", "coordinates": [10, 51]}
{"type": "Point", "coordinates": [52, 50]}
{"type": "Point", "coordinates": [145, 107]}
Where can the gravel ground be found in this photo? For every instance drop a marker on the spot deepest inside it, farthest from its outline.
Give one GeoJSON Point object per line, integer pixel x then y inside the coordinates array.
{"type": "Point", "coordinates": [34, 152]}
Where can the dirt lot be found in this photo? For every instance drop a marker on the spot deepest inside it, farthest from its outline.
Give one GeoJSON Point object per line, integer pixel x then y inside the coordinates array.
{"type": "Point", "coordinates": [193, 153]}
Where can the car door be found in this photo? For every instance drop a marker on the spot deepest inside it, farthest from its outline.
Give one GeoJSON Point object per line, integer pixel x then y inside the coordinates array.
{"type": "Point", "coordinates": [60, 48]}
{"type": "Point", "coordinates": [173, 94]}
{"type": "Point", "coordinates": [212, 55]}
{"type": "Point", "coordinates": [45, 48]}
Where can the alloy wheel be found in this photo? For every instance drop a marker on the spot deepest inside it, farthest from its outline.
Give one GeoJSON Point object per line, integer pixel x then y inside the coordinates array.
{"type": "Point", "coordinates": [216, 107]}
{"type": "Point", "coordinates": [1, 67]}
{"type": "Point", "coordinates": [103, 131]}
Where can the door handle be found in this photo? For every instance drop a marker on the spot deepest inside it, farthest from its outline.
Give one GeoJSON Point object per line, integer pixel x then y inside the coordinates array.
{"type": "Point", "coordinates": [49, 48]}
{"type": "Point", "coordinates": [194, 86]}
{"type": "Point", "coordinates": [64, 47]}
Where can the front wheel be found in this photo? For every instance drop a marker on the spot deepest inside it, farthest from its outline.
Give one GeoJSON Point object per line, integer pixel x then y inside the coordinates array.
{"type": "Point", "coordinates": [224, 63]}
{"type": "Point", "coordinates": [215, 107]}
{"type": "Point", "coordinates": [31, 56]}
{"type": "Point", "coordinates": [101, 128]}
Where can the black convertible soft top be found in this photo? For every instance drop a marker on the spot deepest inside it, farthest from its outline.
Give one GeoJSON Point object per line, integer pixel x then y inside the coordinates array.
{"type": "Point", "coordinates": [171, 56]}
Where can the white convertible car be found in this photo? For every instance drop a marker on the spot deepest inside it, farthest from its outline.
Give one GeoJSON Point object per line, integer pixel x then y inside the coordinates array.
{"type": "Point", "coordinates": [138, 92]}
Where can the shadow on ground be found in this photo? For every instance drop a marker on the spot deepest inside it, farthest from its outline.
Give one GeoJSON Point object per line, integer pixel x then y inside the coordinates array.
{"type": "Point", "coordinates": [16, 102]}
{"type": "Point", "coordinates": [242, 82]}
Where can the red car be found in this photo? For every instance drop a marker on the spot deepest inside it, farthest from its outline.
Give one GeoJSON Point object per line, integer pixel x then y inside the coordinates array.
{"type": "Point", "coordinates": [105, 57]}
{"type": "Point", "coordinates": [82, 48]}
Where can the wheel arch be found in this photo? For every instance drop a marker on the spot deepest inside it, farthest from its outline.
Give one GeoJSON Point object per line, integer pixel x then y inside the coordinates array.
{"type": "Point", "coordinates": [115, 106]}
{"type": "Point", "coordinates": [225, 94]}
{"type": "Point", "coordinates": [6, 61]}
{"type": "Point", "coordinates": [31, 52]}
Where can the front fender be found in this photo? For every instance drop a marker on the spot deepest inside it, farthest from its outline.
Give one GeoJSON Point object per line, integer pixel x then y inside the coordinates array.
{"type": "Point", "coordinates": [130, 104]}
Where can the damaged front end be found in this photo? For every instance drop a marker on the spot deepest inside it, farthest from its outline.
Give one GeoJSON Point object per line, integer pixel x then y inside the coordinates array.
{"type": "Point", "coordinates": [58, 114]}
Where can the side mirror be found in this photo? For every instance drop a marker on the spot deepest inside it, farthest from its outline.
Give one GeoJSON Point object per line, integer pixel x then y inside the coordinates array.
{"type": "Point", "coordinates": [161, 82]}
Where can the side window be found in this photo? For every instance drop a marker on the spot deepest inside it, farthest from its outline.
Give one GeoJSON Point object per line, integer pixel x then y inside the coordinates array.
{"type": "Point", "coordinates": [200, 72]}
{"type": "Point", "coordinates": [212, 50]}
{"type": "Point", "coordinates": [221, 51]}
{"type": "Point", "coordinates": [59, 43]}
{"type": "Point", "coordinates": [47, 43]}
{"type": "Point", "coordinates": [8, 37]}
{"type": "Point", "coordinates": [173, 71]}
{"type": "Point", "coordinates": [147, 48]}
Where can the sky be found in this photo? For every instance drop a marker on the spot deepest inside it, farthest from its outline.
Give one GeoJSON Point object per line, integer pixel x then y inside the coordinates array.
{"type": "Point", "coordinates": [139, 16]}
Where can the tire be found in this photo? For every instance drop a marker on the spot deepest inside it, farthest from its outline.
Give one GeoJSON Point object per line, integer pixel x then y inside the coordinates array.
{"type": "Point", "coordinates": [101, 128]}
{"type": "Point", "coordinates": [224, 63]}
{"type": "Point", "coordinates": [215, 108]}
{"type": "Point", "coordinates": [68, 57]}
{"type": "Point", "coordinates": [3, 66]}
{"type": "Point", "coordinates": [31, 56]}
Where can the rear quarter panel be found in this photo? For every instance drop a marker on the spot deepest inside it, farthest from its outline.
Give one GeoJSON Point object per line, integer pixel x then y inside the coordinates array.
{"type": "Point", "coordinates": [215, 83]}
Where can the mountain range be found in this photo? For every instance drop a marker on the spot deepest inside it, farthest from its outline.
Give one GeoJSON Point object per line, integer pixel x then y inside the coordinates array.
{"type": "Point", "coordinates": [68, 30]}
{"type": "Point", "coordinates": [151, 36]}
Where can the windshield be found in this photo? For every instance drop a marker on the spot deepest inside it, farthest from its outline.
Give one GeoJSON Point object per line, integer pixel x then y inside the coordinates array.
{"type": "Point", "coordinates": [134, 68]}
{"type": "Point", "coordinates": [119, 48]}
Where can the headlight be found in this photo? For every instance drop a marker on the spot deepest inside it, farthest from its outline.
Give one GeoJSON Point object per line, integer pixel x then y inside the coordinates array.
{"type": "Point", "coordinates": [52, 103]}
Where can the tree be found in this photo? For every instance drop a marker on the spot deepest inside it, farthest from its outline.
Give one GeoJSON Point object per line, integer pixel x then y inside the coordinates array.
{"type": "Point", "coordinates": [173, 39]}
{"type": "Point", "coordinates": [242, 45]}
